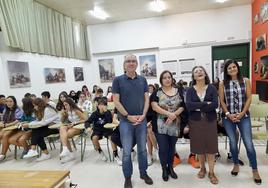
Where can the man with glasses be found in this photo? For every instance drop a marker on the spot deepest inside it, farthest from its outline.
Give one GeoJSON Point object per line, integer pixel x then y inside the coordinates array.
{"type": "Point", "coordinates": [130, 94]}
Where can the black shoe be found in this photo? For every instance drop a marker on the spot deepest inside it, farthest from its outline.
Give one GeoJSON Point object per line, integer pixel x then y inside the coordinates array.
{"type": "Point", "coordinates": [257, 181]}
{"type": "Point", "coordinates": [128, 183]}
{"type": "Point", "coordinates": [147, 179]}
{"type": "Point", "coordinates": [241, 163]}
{"type": "Point", "coordinates": [172, 173]}
{"type": "Point", "coordinates": [230, 159]}
{"type": "Point", "coordinates": [217, 157]}
{"type": "Point", "coordinates": [234, 173]}
{"type": "Point", "coordinates": [165, 173]}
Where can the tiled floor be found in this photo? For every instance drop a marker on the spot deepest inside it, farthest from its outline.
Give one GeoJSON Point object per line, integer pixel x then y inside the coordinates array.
{"type": "Point", "coordinates": [94, 173]}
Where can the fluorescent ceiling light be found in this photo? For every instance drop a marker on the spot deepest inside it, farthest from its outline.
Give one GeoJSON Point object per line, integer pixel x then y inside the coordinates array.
{"type": "Point", "coordinates": [99, 13]}
{"type": "Point", "coordinates": [221, 1]}
{"type": "Point", "coordinates": [158, 5]}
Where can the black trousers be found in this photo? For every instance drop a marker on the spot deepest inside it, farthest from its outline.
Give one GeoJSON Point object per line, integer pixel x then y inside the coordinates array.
{"type": "Point", "coordinates": [39, 134]}
{"type": "Point", "coordinates": [166, 146]}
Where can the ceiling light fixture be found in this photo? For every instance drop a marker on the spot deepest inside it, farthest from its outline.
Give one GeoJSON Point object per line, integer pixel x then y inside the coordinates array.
{"type": "Point", "coordinates": [158, 5]}
{"type": "Point", "coordinates": [221, 1]}
{"type": "Point", "coordinates": [99, 13]}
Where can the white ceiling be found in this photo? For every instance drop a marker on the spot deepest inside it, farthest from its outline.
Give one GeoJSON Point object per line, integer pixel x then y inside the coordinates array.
{"type": "Point", "coordinates": [120, 10]}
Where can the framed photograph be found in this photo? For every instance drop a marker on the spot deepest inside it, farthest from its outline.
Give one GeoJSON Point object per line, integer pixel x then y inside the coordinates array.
{"type": "Point", "coordinates": [256, 18]}
{"type": "Point", "coordinates": [264, 67]}
{"type": "Point", "coordinates": [261, 42]}
{"type": "Point", "coordinates": [172, 66]}
{"type": "Point", "coordinates": [148, 66]}
{"type": "Point", "coordinates": [106, 69]}
{"type": "Point", "coordinates": [78, 74]}
{"type": "Point", "coordinates": [54, 75]}
{"type": "Point", "coordinates": [256, 67]}
{"type": "Point", "coordinates": [264, 12]}
{"type": "Point", "coordinates": [19, 75]}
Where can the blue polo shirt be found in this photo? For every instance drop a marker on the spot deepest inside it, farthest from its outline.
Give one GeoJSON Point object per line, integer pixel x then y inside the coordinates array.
{"type": "Point", "coordinates": [131, 92]}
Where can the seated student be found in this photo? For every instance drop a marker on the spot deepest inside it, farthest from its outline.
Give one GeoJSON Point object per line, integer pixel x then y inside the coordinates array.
{"type": "Point", "coordinates": [72, 115]}
{"type": "Point", "coordinates": [21, 136]}
{"type": "Point", "coordinates": [2, 104]}
{"type": "Point", "coordinates": [12, 115]}
{"type": "Point", "coordinates": [73, 95]}
{"type": "Point", "coordinates": [46, 97]}
{"type": "Point", "coordinates": [84, 104]}
{"type": "Point", "coordinates": [99, 118]}
{"type": "Point", "coordinates": [62, 96]}
{"type": "Point", "coordinates": [98, 95]}
{"type": "Point", "coordinates": [45, 115]}
{"type": "Point", "coordinates": [33, 96]}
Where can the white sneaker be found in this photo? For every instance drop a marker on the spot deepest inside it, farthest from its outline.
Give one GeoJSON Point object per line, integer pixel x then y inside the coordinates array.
{"type": "Point", "coordinates": [2, 157]}
{"type": "Point", "coordinates": [64, 153]}
{"type": "Point", "coordinates": [118, 160]}
{"type": "Point", "coordinates": [31, 153]}
{"type": "Point", "coordinates": [68, 158]}
{"type": "Point", "coordinates": [149, 159]}
{"type": "Point", "coordinates": [103, 156]}
{"type": "Point", "coordinates": [133, 155]}
{"type": "Point", "coordinates": [43, 157]}
{"type": "Point", "coordinates": [156, 152]}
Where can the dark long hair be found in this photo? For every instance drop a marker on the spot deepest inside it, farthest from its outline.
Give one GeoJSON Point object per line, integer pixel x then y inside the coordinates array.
{"type": "Point", "coordinates": [227, 77]}
{"type": "Point", "coordinates": [9, 115]}
{"type": "Point", "coordinates": [73, 106]}
{"type": "Point", "coordinates": [59, 105]}
{"type": "Point", "coordinates": [162, 75]}
{"type": "Point", "coordinates": [27, 106]}
{"type": "Point", "coordinates": [207, 80]}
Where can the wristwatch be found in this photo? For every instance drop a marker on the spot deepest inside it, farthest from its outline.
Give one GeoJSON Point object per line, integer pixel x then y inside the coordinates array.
{"type": "Point", "coordinates": [126, 116]}
{"type": "Point", "coordinates": [227, 113]}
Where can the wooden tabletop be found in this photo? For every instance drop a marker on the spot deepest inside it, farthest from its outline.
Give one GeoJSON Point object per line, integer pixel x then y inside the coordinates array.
{"type": "Point", "coordinates": [79, 126]}
{"type": "Point", "coordinates": [13, 127]}
{"type": "Point", "coordinates": [28, 179]}
{"type": "Point", "coordinates": [110, 125]}
{"type": "Point", "coordinates": [55, 126]}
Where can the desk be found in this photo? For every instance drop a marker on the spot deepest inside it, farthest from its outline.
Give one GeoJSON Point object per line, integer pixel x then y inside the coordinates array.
{"type": "Point", "coordinates": [110, 125]}
{"type": "Point", "coordinates": [28, 179]}
{"type": "Point", "coordinates": [10, 128]}
{"type": "Point", "coordinates": [80, 126]}
{"type": "Point", "coordinates": [55, 126]}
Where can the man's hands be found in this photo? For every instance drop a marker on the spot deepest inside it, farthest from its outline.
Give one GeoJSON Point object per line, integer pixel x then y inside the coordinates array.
{"type": "Point", "coordinates": [136, 120]}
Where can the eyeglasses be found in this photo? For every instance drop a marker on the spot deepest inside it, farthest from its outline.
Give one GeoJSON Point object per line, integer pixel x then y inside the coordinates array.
{"type": "Point", "coordinates": [131, 61]}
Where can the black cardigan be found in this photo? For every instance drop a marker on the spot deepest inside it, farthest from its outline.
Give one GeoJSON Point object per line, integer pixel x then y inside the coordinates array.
{"type": "Point", "coordinates": [193, 103]}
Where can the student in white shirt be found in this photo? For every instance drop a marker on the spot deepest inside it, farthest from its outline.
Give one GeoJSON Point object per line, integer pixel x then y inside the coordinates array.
{"type": "Point", "coordinates": [45, 115]}
{"type": "Point", "coordinates": [84, 104]}
{"type": "Point", "coordinates": [72, 115]}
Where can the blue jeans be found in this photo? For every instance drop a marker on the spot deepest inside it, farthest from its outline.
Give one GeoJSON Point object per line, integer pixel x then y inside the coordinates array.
{"type": "Point", "coordinates": [127, 134]}
{"type": "Point", "coordinates": [244, 127]}
{"type": "Point", "coordinates": [167, 146]}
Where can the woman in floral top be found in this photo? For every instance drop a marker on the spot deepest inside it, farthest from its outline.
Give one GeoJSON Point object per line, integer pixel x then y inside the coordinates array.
{"type": "Point", "coordinates": [168, 104]}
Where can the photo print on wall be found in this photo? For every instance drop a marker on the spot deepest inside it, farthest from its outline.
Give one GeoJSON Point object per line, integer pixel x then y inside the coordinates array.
{"type": "Point", "coordinates": [148, 66]}
{"type": "Point", "coordinates": [106, 69]}
{"type": "Point", "coordinates": [261, 42]}
{"type": "Point", "coordinates": [78, 74]}
{"type": "Point", "coordinates": [19, 75]}
{"type": "Point", "coordinates": [264, 12]}
{"type": "Point", "coordinates": [54, 75]}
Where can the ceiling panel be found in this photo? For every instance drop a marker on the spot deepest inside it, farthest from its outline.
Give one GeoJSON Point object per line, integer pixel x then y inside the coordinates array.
{"type": "Point", "coordinates": [120, 10]}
